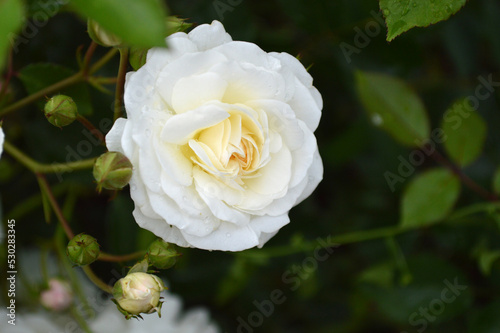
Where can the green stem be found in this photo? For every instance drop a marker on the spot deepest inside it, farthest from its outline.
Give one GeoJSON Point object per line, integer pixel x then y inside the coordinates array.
{"type": "Point", "coordinates": [81, 321]}
{"type": "Point", "coordinates": [60, 240]}
{"type": "Point", "coordinates": [352, 237]}
{"type": "Point", "coordinates": [36, 167]}
{"type": "Point", "coordinates": [96, 280]}
{"type": "Point", "coordinates": [103, 256]}
{"type": "Point", "coordinates": [93, 130]}
{"type": "Point", "coordinates": [120, 85]}
{"type": "Point", "coordinates": [103, 61]}
{"type": "Point", "coordinates": [44, 185]}
{"type": "Point", "coordinates": [88, 56]}
{"type": "Point", "coordinates": [74, 79]}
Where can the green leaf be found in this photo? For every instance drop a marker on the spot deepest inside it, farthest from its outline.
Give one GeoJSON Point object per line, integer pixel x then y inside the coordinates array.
{"type": "Point", "coordinates": [402, 15]}
{"type": "Point", "coordinates": [11, 19]}
{"type": "Point", "coordinates": [429, 198]}
{"type": "Point", "coordinates": [394, 107]}
{"type": "Point", "coordinates": [380, 275]}
{"type": "Point", "coordinates": [434, 281]}
{"type": "Point", "coordinates": [138, 23]}
{"type": "Point", "coordinates": [35, 77]}
{"type": "Point", "coordinates": [43, 9]}
{"type": "Point", "coordinates": [487, 259]}
{"type": "Point", "coordinates": [465, 133]}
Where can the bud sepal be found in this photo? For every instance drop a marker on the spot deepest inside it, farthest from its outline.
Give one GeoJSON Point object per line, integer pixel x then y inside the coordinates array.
{"type": "Point", "coordinates": [83, 249]}
{"type": "Point", "coordinates": [112, 171]}
{"type": "Point", "coordinates": [61, 110]}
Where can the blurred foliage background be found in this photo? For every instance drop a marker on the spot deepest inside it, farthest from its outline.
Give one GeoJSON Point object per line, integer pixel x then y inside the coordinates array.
{"type": "Point", "coordinates": [380, 285]}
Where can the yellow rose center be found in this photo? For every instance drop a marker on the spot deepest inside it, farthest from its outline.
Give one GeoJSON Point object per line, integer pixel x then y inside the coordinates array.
{"type": "Point", "coordinates": [230, 150]}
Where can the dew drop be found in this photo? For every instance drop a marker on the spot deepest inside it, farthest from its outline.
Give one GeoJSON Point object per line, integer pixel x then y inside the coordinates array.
{"type": "Point", "coordinates": [148, 133]}
{"type": "Point", "coordinates": [377, 119]}
{"type": "Point", "coordinates": [228, 235]}
{"type": "Point", "coordinates": [386, 12]}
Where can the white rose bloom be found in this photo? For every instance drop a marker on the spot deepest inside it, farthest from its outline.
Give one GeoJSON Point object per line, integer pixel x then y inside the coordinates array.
{"type": "Point", "coordinates": [220, 134]}
{"type": "Point", "coordinates": [2, 139]}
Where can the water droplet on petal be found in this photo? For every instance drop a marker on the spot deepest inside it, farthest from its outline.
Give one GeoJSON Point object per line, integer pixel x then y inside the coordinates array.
{"type": "Point", "coordinates": [148, 133]}
{"type": "Point", "coordinates": [228, 235]}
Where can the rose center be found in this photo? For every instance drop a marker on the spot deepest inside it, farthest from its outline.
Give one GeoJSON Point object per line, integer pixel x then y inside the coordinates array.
{"type": "Point", "coordinates": [230, 150]}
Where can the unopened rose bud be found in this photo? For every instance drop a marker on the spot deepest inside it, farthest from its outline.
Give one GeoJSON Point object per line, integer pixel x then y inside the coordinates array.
{"type": "Point", "coordinates": [138, 293]}
{"type": "Point", "coordinates": [61, 110]}
{"type": "Point", "coordinates": [83, 249]}
{"type": "Point", "coordinates": [58, 297]}
{"type": "Point", "coordinates": [101, 36]}
{"type": "Point", "coordinates": [112, 171]}
{"type": "Point", "coordinates": [175, 24]}
{"type": "Point", "coordinates": [162, 255]}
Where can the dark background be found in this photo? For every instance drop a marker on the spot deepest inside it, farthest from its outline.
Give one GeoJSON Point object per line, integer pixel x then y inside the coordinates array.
{"type": "Point", "coordinates": [361, 287]}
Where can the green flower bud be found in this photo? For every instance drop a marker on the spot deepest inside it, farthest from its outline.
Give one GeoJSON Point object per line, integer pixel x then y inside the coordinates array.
{"type": "Point", "coordinates": [175, 24]}
{"type": "Point", "coordinates": [138, 293]}
{"type": "Point", "coordinates": [61, 110]}
{"type": "Point", "coordinates": [112, 171]}
{"type": "Point", "coordinates": [162, 255]}
{"type": "Point", "coordinates": [83, 249]}
{"type": "Point", "coordinates": [101, 36]}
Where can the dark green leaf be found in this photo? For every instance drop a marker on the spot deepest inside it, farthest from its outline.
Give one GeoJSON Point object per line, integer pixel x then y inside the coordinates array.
{"type": "Point", "coordinates": [138, 23]}
{"type": "Point", "coordinates": [401, 16]}
{"type": "Point", "coordinates": [465, 133]}
{"type": "Point", "coordinates": [35, 77]}
{"type": "Point", "coordinates": [394, 107]}
{"type": "Point", "coordinates": [487, 259]}
{"type": "Point", "coordinates": [11, 19]}
{"type": "Point", "coordinates": [429, 198]}
{"type": "Point", "coordinates": [437, 286]}
{"type": "Point", "coordinates": [486, 319]}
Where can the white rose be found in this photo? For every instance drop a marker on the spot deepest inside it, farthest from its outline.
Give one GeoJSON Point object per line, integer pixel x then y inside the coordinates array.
{"type": "Point", "coordinates": [220, 134]}
{"type": "Point", "coordinates": [2, 138]}
{"type": "Point", "coordinates": [138, 293]}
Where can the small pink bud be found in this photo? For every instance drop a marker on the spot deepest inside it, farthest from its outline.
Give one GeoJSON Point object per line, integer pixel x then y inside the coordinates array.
{"type": "Point", "coordinates": [58, 297]}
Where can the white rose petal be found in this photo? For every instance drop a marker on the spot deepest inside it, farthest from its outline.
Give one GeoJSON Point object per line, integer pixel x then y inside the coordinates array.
{"type": "Point", "coordinates": [221, 136]}
{"type": "Point", "coordinates": [2, 138]}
